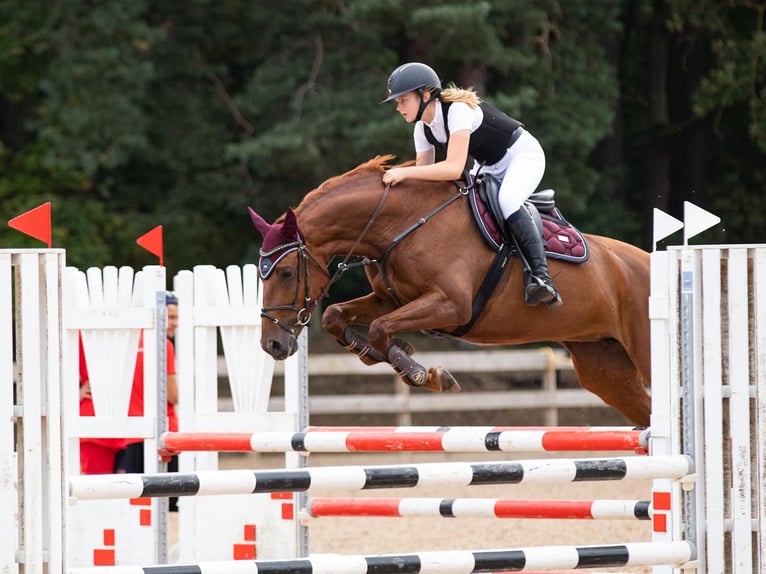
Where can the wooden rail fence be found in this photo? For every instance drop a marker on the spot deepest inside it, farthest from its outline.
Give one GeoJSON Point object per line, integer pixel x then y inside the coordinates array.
{"type": "Point", "coordinates": [547, 363]}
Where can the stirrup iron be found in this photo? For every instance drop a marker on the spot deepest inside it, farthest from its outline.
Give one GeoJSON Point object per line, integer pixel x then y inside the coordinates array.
{"type": "Point", "coordinates": [541, 291]}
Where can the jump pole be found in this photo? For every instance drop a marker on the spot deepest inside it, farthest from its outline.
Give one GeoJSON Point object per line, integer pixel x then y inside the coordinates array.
{"type": "Point", "coordinates": [604, 509]}
{"type": "Point", "coordinates": [456, 439]}
{"type": "Point", "coordinates": [444, 562]}
{"type": "Point", "coordinates": [109, 486]}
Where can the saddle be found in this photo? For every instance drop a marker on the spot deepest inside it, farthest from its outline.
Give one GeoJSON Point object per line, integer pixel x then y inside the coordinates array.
{"type": "Point", "coordinates": [561, 239]}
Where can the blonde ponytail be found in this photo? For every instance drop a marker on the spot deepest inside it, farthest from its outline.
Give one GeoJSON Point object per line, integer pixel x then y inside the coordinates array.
{"type": "Point", "coordinates": [454, 94]}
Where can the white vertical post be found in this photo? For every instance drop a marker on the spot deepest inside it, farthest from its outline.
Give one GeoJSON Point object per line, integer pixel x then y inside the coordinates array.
{"type": "Point", "coordinates": [693, 409]}
{"type": "Point", "coordinates": [759, 310]}
{"type": "Point", "coordinates": [297, 401]}
{"type": "Point", "coordinates": [690, 331]}
{"type": "Point", "coordinates": [739, 405]}
{"type": "Point", "coordinates": [8, 497]}
{"type": "Point", "coordinates": [152, 280]}
{"type": "Point", "coordinates": [665, 434]}
{"type": "Point", "coordinates": [28, 394]}
{"type": "Point", "coordinates": [55, 447]}
{"type": "Point", "coordinates": [712, 478]}
{"type": "Point", "coordinates": [160, 329]}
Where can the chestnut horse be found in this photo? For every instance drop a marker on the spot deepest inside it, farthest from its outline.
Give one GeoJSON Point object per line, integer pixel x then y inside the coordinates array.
{"type": "Point", "coordinates": [425, 260]}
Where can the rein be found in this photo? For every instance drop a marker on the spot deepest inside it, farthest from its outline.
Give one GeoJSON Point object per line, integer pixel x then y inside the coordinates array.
{"type": "Point", "coordinates": [381, 260]}
{"type": "Point", "coordinates": [303, 315]}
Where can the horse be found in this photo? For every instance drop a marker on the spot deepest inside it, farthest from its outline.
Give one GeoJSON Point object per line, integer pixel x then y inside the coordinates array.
{"type": "Point", "coordinates": [425, 259]}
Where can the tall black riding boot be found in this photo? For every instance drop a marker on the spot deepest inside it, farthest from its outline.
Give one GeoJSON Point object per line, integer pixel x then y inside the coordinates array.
{"type": "Point", "coordinates": [539, 285]}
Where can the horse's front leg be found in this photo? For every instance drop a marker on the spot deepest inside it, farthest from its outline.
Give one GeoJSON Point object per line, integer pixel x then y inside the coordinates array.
{"type": "Point", "coordinates": [426, 313]}
{"type": "Point", "coordinates": [360, 311]}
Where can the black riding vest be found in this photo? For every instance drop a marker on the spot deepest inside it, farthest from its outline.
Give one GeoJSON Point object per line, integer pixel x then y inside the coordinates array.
{"type": "Point", "coordinates": [491, 139]}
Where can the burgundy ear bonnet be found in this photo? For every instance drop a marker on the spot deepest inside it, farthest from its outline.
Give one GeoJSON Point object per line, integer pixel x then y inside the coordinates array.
{"type": "Point", "coordinates": [279, 239]}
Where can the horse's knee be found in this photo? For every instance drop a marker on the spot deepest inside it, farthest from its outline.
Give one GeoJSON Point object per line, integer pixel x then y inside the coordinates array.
{"type": "Point", "coordinates": [332, 320]}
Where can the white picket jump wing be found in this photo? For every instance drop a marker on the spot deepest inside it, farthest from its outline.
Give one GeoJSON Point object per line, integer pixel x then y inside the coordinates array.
{"type": "Point", "coordinates": [234, 304]}
{"type": "Point", "coordinates": [250, 369]}
{"type": "Point", "coordinates": [102, 303]}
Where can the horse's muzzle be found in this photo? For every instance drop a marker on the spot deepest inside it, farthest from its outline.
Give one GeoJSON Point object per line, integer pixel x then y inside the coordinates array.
{"type": "Point", "coordinates": [280, 348]}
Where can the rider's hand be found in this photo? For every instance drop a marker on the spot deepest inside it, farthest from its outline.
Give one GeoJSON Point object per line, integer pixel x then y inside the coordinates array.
{"type": "Point", "coordinates": [394, 175]}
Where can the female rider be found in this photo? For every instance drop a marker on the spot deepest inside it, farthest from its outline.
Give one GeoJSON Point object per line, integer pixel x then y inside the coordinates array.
{"type": "Point", "coordinates": [456, 119]}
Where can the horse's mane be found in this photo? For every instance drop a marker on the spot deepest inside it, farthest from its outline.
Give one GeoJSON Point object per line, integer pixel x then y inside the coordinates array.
{"type": "Point", "coordinates": [379, 163]}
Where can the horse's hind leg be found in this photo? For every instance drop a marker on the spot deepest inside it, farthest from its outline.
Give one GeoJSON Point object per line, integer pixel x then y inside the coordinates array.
{"type": "Point", "coordinates": [605, 369]}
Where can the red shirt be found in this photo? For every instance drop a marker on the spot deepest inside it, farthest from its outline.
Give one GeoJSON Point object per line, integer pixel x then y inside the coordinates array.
{"type": "Point", "coordinates": [136, 408]}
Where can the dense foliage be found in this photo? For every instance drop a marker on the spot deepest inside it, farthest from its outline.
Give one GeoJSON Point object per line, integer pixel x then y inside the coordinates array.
{"type": "Point", "coordinates": [129, 114]}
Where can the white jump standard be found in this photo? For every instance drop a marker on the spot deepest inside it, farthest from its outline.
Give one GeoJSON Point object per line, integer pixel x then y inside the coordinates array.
{"type": "Point", "coordinates": [708, 482]}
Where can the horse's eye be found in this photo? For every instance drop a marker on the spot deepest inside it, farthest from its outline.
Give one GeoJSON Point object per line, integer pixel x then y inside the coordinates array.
{"type": "Point", "coordinates": [286, 273]}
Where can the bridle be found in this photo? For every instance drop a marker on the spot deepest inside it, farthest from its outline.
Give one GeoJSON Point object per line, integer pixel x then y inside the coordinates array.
{"type": "Point", "coordinates": [302, 314]}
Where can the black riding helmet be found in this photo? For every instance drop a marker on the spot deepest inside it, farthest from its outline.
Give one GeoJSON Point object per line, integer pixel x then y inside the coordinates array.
{"type": "Point", "coordinates": [413, 77]}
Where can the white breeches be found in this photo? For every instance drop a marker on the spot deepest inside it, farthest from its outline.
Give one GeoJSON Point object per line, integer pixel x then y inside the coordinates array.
{"type": "Point", "coordinates": [520, 172]}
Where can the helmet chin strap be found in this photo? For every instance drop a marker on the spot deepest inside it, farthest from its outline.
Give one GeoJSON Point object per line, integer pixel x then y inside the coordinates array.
{"type": "Point", "coordinates": [424, 104]}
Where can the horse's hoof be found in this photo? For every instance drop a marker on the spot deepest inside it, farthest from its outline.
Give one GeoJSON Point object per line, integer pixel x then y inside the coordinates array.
{"type": "Point", "coordinates": [440, 380]}
{"type": "Point", "coordinates": [449, 383]}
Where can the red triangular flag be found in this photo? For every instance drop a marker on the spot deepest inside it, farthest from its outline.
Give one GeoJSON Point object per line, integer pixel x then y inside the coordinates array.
{"type": "Point", "coordinates": [35, 223]}
{"type": "Point", "coordinates": [152, 242]}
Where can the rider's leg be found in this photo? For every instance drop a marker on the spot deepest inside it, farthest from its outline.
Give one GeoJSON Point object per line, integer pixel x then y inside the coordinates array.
{"type": "Point", "coordinates": [539, 286]}
{"type": "Point", "coordinates": [525, 171]}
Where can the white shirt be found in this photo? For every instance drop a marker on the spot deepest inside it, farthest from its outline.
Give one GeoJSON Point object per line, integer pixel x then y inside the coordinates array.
{"type": "Point", "coordinates": [460, 116]}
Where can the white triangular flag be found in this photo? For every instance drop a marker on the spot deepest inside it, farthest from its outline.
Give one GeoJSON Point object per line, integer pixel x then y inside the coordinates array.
{"type": "Point", "coordinates": [697, 220]}
{"type": "Point", "coordinates": [664, 225]}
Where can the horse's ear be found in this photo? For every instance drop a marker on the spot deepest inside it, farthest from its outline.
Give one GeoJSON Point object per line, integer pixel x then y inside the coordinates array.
{"type": "Point", "coordinates": [260, 223]}
{"type": "Point", "coordinates": [290, 225]}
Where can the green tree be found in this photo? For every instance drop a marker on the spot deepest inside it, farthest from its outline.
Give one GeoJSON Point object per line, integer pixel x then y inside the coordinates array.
{"type": "Point", "coordinates": [126, 115]}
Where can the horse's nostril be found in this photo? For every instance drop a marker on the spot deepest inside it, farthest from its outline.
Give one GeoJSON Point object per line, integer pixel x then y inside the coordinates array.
{"type": "Point", "coordinates": [275, 347]}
